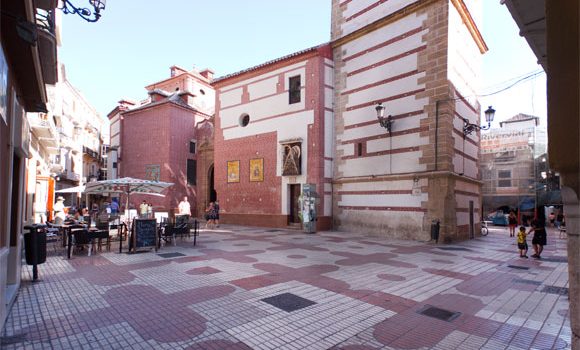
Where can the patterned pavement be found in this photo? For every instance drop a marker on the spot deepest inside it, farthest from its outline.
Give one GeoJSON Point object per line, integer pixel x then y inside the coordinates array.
{"type": "Point", "coordinates": [254, 288]}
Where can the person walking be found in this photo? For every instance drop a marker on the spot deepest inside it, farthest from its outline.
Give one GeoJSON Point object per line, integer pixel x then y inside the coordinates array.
{"type": "Point", "coordinates": [512, 223]}
{"type": "Point", "coordinates": [210, 216]}
{"type": "Point", "coordinates": [539, 239]}
{"type": "Point", "coordinates": [522, 244]}
{"type": "Point", "coordinates": [216, 207]}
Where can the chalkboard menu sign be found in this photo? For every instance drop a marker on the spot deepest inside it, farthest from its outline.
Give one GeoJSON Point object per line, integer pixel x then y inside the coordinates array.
{"type": "Point", "coordinates": [144, 233]}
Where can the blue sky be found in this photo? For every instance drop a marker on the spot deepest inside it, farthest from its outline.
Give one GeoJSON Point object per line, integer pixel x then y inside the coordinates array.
{"type": "Point", "coordinates": [135, 42]}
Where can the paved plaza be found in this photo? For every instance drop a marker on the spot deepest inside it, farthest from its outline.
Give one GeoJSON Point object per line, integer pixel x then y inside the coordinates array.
{"type": "Point", "coordinates": [256, 288]}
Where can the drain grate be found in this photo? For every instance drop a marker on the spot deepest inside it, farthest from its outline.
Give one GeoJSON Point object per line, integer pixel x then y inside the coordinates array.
{"type": "Point", "coordinates": [170, 255]}
{"type": "Point", "coordinates": [556, 259]}
{"type": "Point", "coordinates": [524, 281]}
{"type": "Point", "coordinates": [13, 339]}
{"type": "Point", "coordinates": [440, 314]}
{"type": "Point", "coordinates": [518, 267]}
{"type": "Point", "coordinates": [555, 290]}
{"type": "Point", "coordinates": [456, 248]}
{"type": "Point", "coordinates": [272, 231]}
{"type": "Point", "coordinates": [288, 302]}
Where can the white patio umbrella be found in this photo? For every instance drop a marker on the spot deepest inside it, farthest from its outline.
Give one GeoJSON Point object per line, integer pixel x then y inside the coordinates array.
{"type": "Point", "coordinates": [127, 185]}
{"type": "Point", "coordinates": [76, 189]}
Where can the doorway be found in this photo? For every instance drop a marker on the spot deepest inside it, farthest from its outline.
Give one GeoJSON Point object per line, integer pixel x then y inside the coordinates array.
{"type": "Point", "coordinates": [212, 194]}
{"type": "Point", "coordinates": [294, 194]}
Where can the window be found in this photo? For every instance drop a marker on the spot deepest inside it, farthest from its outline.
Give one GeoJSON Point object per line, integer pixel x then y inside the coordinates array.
{"type": "Point", "coordinates": [191, 171]}
{"type": "Point", "coordinates": [192, 147]}
{"type": "Point", "coordinates": [359, 150]}
{"type": "Point", "coordinates": [294, 90]}
{"type": "Point", "coordinates": [504, 178]}
{"type": "Point", "coordinates": [114, 165]}
{"type": "Point", "coordinates": [244, 120]}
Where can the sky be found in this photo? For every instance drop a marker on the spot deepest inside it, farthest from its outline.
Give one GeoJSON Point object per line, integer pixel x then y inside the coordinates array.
{"type": "Point", "coordinates": [135, 42]}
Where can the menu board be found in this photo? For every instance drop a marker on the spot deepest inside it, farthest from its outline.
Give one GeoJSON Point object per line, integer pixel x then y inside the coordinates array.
{"type": "Point", "coordinates": [145, 233]}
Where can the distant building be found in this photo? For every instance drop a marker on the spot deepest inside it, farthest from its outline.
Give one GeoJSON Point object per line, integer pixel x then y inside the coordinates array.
{"type": "Point", "coordinates": [160, 138]}
{"type": "Point", "coordinates": [510, 169]}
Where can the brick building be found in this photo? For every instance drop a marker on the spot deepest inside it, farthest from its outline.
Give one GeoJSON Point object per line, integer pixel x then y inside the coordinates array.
{"type": "Point", "coordinates": [158, 139]}
{"type": "Point", "coordinates": [273, 135]}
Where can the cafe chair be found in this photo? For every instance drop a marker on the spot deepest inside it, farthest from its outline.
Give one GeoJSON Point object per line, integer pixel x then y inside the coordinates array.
{"type": "Point", "coordinates": [81, 239]}
{"type": "Point", "coordinates": [103, 239]}
{"type": "Point", "coordinates": [96, 237]}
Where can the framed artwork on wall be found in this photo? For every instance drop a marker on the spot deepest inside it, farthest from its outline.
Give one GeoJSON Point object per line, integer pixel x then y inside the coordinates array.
{"type": "Point", "coordinates": [152, 172]}
{"type": "Point", "coordinates": [257, 169]}
{"type": "Point", "coordinates": [233, 171]}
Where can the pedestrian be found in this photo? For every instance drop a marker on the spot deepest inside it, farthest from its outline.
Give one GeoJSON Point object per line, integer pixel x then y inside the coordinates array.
{"type": "Point", "coordinates": [512, 223]}
{"type": "Point", "coordinates": [522, 244]}
{"type": "Point", "coordinates": [114, 206]}
{"type": "Point", "coordinates": [216, 207]}
{"type": "Point", "coordinates": [184, 208]}
{"type": "Point", "coordinates": [210, 216]}
{"type": "Point", "coordinates": [552, 217]}
{"type": "Point", "coordinates": [59, 214]}
{"type": "Point", "coordinates": [539, 239]}
{"type": "Point", "coordinates": [143, 208]}
{"type": "Point", "coordinates": [149, 210]}
{"type": "Point", "coordinates": [559, 219]}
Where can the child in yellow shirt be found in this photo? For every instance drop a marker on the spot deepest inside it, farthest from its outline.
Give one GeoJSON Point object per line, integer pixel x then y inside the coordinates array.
{"type": "Point", "coordinates": [522, 244]}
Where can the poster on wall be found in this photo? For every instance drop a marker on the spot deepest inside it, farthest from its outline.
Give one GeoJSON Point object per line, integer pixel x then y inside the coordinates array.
{"type": "Point", "coordinates": [234, 171]}
{"type": "Point", "coordinates": [3, 87]}
{"type": "Point", "coordinates": [257, 169]}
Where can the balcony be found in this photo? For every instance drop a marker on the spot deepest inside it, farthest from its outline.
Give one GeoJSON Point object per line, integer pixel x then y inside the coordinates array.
{"type": "Point", "coordinates": [47, 44]}
{"type": "Point", "coordinates": [90, 152]}
{"type": "Point", "coordinates": [44, 129]}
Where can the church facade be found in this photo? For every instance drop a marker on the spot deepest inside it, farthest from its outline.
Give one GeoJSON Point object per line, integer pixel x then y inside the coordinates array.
{"type": "Point", "coordinates": [418, 59]}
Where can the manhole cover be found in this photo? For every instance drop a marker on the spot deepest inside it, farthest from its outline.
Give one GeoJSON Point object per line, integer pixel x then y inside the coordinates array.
{"type": "Point", "coordinates": [440, 314]}
{"type": "Point", "coordinates": [456, 248]}
{"type": "Point", "coordinates": [170, 255]}
{"type": "Point", "coordinates": [556, 259]}
{"type": "Point", "coordinates": [555, 290]}
{"type": "Point", "coordinates": [518, 267]}
{"type": "Point", "coordinates": [524, 281]}
{"type": "Point", "coordinates": [288, 302]}
{"type": "Point", "coordinates": [13, 339]}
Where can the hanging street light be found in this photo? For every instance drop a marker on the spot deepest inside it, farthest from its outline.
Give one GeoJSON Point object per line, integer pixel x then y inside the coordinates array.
{"type": "Point", "coordinates": [85, 13]}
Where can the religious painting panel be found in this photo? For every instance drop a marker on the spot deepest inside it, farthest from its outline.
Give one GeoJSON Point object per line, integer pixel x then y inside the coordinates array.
{"type": "Point", "coordinates": [234, 171]}
{"type": "Point", "coordinates": [257, 170]}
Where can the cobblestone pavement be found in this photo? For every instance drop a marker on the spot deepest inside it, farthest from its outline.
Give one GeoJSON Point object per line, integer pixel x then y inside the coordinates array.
{"type": "Point", "coordinates": [254, 288]}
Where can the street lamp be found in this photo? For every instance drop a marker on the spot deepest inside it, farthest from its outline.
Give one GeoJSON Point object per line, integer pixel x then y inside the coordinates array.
{"type": "Point", "coordinates": [85, 13]}
{"type": "Point", "coordinates": [387, 122]}
{"type": "Point", "coordinates": [468, 127]}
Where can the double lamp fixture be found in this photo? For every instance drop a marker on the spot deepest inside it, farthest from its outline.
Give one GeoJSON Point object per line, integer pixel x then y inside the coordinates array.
{"type": "Point", "coordinates": [468, 128]}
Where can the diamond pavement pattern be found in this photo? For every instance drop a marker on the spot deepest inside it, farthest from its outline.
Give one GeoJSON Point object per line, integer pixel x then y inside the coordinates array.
{"type": "Point", "coordinates": [257, 288]}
